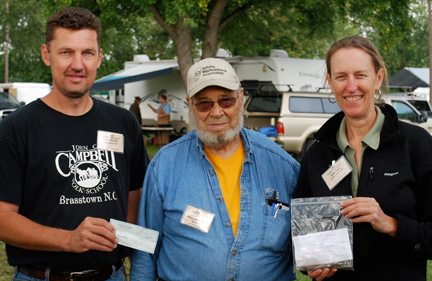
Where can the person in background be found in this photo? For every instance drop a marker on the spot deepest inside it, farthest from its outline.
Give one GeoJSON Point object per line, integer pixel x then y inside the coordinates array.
{"type": "Point", "coordinates": [69, 163]}
{"type": "Point", "coordinates": [219, 195]}
{"type": "Point", "coordinates": [164, 110]}
{"type": "Point", "coordinates": [135, 109]}
{"type": "Point", "coordinates": [163, 117]}
{"type": "Point", "coordinates": [391, 177]}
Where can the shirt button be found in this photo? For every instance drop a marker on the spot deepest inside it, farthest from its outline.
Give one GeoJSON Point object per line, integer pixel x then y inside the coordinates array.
{"type": "Point", "coordinates": [220, 198]}
{"type": "Point", "coordinates": [417, 247]}
{"type": "Point", "coordinates": [228, 224]}
{"type": "Point", "coordinates": [234, 253]}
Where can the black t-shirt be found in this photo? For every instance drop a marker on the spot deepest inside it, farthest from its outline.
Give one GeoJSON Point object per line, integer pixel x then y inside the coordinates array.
{"type": "Point", "coordinates": [51, 167]}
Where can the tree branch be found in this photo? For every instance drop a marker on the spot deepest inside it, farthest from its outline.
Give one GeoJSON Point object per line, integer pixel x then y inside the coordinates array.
{"type": "Point", "coordinates": [161, 21]}
{"type": "Point", "coordinates": [234, 14]}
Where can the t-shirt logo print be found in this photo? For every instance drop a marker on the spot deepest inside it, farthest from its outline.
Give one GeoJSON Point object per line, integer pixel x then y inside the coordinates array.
{"type": "Point", "coordinates": [88, 174]}
{"type": "Point", "coordinates": [87, 165]}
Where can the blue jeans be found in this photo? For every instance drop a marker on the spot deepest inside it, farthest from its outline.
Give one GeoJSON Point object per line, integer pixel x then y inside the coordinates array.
{"type": "Point", "coordinates": [120, 275]}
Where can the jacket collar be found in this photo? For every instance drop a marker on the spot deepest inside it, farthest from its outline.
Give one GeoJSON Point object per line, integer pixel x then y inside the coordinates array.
{"type": "Point", "coordinates": [389, 133]}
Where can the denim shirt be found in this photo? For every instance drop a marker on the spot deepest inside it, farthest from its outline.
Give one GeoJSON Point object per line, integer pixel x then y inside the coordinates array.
{"type": "Point", "coordinates": [179, 175]}
{"type": "Point", "coordinates": [166, 108]}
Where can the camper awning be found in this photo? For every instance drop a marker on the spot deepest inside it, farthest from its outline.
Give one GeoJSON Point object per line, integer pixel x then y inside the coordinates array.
{"type": "Point", "coordinates": [133, 74]}
{"type": "Point", "coordinates": [411, 77]}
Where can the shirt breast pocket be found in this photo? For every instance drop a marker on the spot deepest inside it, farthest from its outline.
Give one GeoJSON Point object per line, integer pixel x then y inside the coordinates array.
{"type": "Point", "coordinates": [276, 230]}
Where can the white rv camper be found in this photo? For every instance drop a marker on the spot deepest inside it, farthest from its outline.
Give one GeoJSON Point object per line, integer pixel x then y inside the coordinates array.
{"type": "Point", "coordinates": [287, 74]}
{"type": "Point", "coordinates": [145, 78]}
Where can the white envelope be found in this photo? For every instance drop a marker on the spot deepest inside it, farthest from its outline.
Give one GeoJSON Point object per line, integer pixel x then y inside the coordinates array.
{"type": "Point", "coordinates": [135, 236]}
{"type": "Point", "coordinates": [323, 247]}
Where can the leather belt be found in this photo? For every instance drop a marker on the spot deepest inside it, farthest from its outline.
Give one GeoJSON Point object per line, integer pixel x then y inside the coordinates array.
{"type": "Point", "coordinates": [85, 275]}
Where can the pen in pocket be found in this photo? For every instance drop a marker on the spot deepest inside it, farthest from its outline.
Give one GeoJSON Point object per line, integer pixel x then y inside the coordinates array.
{"type": "Point", "coordinates": [271, 201]}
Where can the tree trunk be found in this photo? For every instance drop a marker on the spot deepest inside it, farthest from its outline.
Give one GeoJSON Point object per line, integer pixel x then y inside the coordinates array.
{"type": "Point", "coordinates": [181, 34]}
{"type": "Point", "coordinates": [430, 47]}
{"type": "Point", "coordinates": [211, 42]}
{"type": "Point", "coordinates": [183, 41]}
{"type": "Point", "coordinates": [6, 45]}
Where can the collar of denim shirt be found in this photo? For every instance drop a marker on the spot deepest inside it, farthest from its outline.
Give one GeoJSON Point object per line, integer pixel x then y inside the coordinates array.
{"type": "Point", "coordinates": [246, 145]}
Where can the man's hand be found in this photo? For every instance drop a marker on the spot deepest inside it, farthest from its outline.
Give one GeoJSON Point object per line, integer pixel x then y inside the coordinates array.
{"type": "Point", "coordinates": [92, 234]}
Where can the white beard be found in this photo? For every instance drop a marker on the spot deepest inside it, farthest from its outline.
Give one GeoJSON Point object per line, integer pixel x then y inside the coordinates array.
{"type": "Point", "coordinates": [214, 140]}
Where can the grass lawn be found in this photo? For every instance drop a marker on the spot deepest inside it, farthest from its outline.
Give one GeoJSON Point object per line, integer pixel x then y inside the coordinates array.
{"type": "Point", "coordinates": [6, 270]}
{"type": "Point", "coordinates": [151, 149]}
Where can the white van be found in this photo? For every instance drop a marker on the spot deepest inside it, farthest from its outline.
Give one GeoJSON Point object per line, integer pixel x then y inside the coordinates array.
{"type": "Point", "coordinates": [26, 92]}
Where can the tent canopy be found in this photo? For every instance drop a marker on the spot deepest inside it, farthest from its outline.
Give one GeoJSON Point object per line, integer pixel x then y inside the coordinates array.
{"type": "Point", "coordinates": [136, 73]}
{"type": "Point", "coordinates": [410, 77]}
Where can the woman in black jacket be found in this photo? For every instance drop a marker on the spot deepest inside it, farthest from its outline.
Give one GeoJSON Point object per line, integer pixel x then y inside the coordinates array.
{"type": "Point", "coordinates": [391, 177]}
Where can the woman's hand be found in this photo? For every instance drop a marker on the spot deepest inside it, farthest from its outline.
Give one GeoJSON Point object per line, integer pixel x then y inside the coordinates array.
{"type": "Point", "coordinates": [367, 209]}
{"type": "Point", "coordinates": [321, 273]}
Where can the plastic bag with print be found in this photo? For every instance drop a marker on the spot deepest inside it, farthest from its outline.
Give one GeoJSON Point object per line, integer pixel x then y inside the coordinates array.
{"type": "Point", "coordinates": [322, 236]}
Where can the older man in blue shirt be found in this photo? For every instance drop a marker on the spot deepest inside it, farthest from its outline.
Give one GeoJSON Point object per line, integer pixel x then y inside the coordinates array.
{"type": "Point", "coordinates": [220, 195]}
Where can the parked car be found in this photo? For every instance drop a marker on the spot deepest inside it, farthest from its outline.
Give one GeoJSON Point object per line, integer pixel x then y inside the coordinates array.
{"type": "Point", "coordinates": [296, 116]}
{"type": "Point", "coordinates": [417, 100]}
{"type": "Point", "coordinates": [421, 105]}
{"type": "Point", "coordinates": [412, 110]}
{"type": "Point", "coordinates": [8, 103]}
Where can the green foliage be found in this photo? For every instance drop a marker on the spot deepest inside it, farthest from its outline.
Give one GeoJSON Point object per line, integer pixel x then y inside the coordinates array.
{"type": "Point", "coordinates": [282, 25]}
{"type": "Point", "coordinates": [390, 25]}
{"type": "Point", "coordinates": [26, 34]}
{"type": "Point", "coordinates": [125, 32]}
{"type": "Point", "coordinates": [304, 28]}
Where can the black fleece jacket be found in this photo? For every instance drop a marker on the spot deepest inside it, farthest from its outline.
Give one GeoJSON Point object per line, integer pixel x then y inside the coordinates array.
{"type": "Point", "coordinates": [399, 176]}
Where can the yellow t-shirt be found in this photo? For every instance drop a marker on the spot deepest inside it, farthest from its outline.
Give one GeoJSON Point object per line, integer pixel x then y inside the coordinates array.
{"type": "Point", "coordinates": [228, 172]}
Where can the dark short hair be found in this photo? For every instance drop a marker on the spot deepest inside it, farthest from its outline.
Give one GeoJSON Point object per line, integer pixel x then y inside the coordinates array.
{"type": "Point", "coordinates": [72, 18]}
{"type": "Point", "coordinates": [361, 43]}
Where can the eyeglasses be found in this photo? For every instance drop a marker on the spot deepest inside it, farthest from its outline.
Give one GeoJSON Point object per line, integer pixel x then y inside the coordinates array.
{"type": "Point", "coordinates": [207, 105]}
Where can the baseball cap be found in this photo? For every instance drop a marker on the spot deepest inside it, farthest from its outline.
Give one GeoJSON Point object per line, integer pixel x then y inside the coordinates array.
{"type": "Point", "coordinates": [211, 72]}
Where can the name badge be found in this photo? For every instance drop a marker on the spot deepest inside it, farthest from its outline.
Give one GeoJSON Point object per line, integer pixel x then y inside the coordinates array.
{"type": "Point", "coordinates": [337, 172]}
{"type": "Point", "coordinates": [110, 141]}
{"type": "Point", "coordinates": [197, 218]}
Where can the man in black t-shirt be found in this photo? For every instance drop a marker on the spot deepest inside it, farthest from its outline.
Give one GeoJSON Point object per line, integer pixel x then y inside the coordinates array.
{"type": "Point", "coordinates": [69, 163]}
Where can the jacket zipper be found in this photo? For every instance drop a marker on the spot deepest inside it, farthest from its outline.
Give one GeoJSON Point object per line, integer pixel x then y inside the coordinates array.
{"type": "Point", "coordinates": [371, 177]}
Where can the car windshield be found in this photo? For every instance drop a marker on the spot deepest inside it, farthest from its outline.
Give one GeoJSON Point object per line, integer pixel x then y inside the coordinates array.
{"type": "Point", "coordinates": [422, 105]}
{"type": "Point", "coordinates": [8, 101]}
